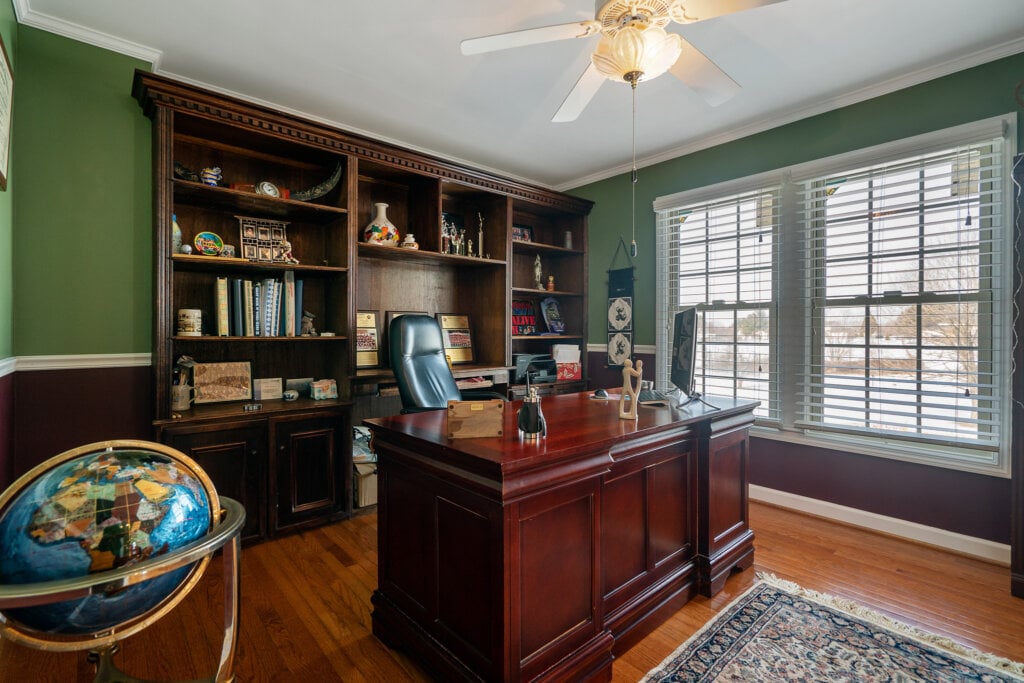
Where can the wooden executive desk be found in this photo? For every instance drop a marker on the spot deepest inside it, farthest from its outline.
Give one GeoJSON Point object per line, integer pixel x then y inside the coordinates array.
{"type": "Point", "coordinates": [509, 560]}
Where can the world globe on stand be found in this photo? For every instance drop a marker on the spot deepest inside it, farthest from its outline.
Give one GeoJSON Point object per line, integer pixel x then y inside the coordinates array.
{"type": "Point", "coordinates": [103, 510]}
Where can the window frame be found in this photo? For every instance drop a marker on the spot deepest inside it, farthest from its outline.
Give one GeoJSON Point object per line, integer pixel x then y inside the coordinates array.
{"type": "Point", "coordinates": [791, 324]}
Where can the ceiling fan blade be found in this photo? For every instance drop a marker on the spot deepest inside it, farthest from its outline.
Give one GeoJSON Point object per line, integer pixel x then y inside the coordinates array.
{"type": "Point", "coordinates": [699, 10]}
{"type": "Point", "coordinates": [580, 95]}
{"type": "Point", "coordinates": [703, 76]}
{"type": "Point", "coordinates": [531, 36]}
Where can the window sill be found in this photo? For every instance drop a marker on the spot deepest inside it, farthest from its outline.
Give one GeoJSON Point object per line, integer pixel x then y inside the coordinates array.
{"type": "Point", "coordinates": [962, 460]}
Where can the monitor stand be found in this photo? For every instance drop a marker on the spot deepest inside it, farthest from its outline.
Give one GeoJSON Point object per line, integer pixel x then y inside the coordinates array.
{"type": "Point", "coordinates": [686, 399]}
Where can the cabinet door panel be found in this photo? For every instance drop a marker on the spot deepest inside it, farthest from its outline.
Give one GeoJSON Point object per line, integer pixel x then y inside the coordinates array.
{"type": "Point", "coordinates": [309, 477]}
{"type": "Point", "coordinates": [234, 458]}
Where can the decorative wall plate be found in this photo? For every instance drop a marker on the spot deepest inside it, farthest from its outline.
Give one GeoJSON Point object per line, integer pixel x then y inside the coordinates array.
{"type": "Point", "coordinates": [620, 313]}
{"type": "Point", "coordinates": [620, 347]}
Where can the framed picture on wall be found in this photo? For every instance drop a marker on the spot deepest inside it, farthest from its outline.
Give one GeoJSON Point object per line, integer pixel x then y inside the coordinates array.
{"type": "Point", "coordinates": [6, 100]}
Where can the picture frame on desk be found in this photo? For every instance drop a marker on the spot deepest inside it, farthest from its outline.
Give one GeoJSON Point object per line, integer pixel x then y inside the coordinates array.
{"type": "Point", "coordinates": [457, 336]}
{"type": "Point", "coordinates": [368, 339]}
{"type": "Point", "coordinates": [220, 382]}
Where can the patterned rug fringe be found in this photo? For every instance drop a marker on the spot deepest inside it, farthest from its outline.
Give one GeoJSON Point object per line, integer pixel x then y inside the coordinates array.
{"type": "Point", "coordinates": [994, 661]}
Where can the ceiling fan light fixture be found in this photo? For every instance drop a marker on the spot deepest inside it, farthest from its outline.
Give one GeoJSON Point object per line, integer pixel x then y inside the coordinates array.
{"type": "Point", "coordinates": [636, 52]}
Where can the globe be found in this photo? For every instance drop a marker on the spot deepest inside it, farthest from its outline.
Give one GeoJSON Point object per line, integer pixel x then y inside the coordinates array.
{"type": "Point", "coordinates": [102, 510]}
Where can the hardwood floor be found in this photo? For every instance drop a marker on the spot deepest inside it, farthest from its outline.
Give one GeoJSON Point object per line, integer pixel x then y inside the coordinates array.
{"type": "Point", "coordinates": [306, 608]}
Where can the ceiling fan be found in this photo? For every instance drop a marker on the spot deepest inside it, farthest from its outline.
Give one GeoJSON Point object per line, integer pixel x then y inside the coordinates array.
{"type": "Point", "coordinates": [634, 47]}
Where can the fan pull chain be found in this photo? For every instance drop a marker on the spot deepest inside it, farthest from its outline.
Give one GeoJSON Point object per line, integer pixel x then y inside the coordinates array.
{"type": "Point", "coordinates": [632, 244]}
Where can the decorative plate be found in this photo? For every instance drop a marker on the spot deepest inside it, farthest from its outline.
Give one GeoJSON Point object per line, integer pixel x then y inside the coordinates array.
{"type": "Point", "coordinates": [620, 347]}
{"type": "Point", "coordinates": [209, 243]}
{"type": "Point", "coordinates": [620, 314]}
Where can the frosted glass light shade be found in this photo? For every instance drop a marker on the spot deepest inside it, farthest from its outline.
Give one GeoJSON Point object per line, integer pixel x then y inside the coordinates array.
{"type": "Point", "coordinates": [636, 48]}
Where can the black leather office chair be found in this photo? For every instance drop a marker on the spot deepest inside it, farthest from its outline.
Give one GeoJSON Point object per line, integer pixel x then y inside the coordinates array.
{"type": "Point", "coordinates": [417, 358]}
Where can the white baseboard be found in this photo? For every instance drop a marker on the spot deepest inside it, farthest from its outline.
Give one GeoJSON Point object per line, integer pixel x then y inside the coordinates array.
{"type": "Point", "coordinates": [980, 548]}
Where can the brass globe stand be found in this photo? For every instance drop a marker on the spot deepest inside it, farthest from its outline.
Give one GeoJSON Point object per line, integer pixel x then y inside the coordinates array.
{"type": "Point", "coordinates": [225, 534]}
{"type": "Point", "coordinates": [226, 518]}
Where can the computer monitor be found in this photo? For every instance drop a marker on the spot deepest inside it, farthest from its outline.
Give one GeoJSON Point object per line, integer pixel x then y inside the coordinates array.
{"type": "Point", "coordinates": [684, 353]}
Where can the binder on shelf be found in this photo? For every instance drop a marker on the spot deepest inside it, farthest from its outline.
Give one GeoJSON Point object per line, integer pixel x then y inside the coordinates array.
{"type": "Point", "coordinates": [222, 307]}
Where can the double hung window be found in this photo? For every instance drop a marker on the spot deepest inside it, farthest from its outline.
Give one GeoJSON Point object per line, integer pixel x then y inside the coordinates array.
{"type": "Point", "coordinates": [865, 299]}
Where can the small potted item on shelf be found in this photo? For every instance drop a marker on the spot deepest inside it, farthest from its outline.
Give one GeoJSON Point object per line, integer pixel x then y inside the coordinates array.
{"type": "Point", "coordinates": [409, 242]}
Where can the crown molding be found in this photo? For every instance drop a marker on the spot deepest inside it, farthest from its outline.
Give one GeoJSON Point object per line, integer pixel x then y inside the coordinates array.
{"type": "Point", "coordinates": [29, 17]}
{"type": "Point", "coordinates": [918, 77]}
{"type": "Point", "coordinates": [83, 361]}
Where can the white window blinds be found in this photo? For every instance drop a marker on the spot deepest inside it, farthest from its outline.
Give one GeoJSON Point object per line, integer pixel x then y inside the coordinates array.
{"type": "Point", "coordinates": [907, 298]}
{"type": "Point", "coordinates": [864, 299]}
{"type": "Point", "coordinates": [718, 255]}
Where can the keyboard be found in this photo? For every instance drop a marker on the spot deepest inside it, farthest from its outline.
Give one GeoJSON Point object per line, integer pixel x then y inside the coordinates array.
{"type": "Point", "coordinates": [652, 397]}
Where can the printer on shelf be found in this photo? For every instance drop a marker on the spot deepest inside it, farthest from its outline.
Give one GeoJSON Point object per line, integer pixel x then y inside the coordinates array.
{"type": "Point", "coordinates": [541, 367]}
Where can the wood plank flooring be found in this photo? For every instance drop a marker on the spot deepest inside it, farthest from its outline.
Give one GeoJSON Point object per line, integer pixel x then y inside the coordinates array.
{"type": "Point", "coordinates": [306, 605]}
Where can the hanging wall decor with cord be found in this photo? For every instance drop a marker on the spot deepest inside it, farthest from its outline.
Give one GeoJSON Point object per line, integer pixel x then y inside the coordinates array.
{"type": "Point", "coordinates": [620, 309]}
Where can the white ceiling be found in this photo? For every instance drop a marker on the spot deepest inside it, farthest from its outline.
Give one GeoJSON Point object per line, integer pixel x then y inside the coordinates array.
{"type": "Point", "coordinates": [393, 70]}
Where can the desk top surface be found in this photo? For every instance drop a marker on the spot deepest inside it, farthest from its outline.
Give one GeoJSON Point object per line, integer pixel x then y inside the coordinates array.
{"type": "Point", "coordinates": [577, 426]}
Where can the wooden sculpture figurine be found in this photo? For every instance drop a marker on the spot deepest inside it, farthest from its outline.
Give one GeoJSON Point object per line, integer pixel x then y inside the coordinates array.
{"type": "Point", "coordinates": [629, 388]}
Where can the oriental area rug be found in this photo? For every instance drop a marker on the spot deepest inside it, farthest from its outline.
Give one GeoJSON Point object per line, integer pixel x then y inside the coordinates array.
{"type": "Point", "coordinates": [778, 631]}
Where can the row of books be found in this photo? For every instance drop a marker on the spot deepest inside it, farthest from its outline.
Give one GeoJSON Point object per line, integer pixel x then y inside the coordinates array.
{"type": "Point", "coordinates": [259, 308]}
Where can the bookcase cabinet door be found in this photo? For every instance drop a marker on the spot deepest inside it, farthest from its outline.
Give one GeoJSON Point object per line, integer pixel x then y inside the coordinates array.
{"type": "Point", "coordinates": [234, 456]}
{"type": "Point", "coordinates": [312, 468]}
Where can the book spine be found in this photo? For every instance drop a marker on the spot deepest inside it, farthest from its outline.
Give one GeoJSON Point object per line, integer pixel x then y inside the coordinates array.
{"type": "Point", "coordinates": [237, 308]}
{"type": "Point", "coordinates": [298, 307]}
{"type": "Point", "coordinates": [289, 303]}
{"type": "Point", "coordinates": [247, 311]}
{"type": "Point", "coordinates": [257, 309]}
{"type": "Point", "coordinates": [268, 307]}
{"type": "Point", "coordinates": [222, 307]}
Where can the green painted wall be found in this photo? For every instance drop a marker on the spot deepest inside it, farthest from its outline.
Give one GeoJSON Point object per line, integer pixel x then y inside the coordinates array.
{"type": "Point", "coordinates": [9, 32]}
{"type": "Point", "coordinates": [82, 236]}
{"type": "Point", "coordinates": [970, 95]}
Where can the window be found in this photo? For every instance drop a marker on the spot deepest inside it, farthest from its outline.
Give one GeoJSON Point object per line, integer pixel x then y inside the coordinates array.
{"type": "Point", "coordinates": [864, 299]}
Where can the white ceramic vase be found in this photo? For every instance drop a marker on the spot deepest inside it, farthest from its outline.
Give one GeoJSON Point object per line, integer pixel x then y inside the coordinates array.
{"type": "Point", "coordinates": [381, 231]}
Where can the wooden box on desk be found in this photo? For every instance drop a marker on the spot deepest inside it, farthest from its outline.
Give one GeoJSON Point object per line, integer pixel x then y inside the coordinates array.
{"type": "Point", "coordinates": [469, 419]}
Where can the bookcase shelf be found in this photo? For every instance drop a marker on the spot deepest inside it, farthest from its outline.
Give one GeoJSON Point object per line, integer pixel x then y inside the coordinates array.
{"type": "Point", "coordinates": [290, 463]}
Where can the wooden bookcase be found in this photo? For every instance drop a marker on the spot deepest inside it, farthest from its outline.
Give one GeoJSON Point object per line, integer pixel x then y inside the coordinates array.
{"type": "Point", "coordinates": [296, 465]}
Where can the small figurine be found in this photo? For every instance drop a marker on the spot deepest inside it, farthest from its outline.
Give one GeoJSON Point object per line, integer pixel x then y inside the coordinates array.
{"type": "Point", "coordinates": [551, 283]}
{"type": "Point", "coordinates": [480, 236]}
{"type": "Point", "coordinates": [307, 329]}
{"type": "Point", "coordinates": [286, 252]}
{"type": "Point", "coordinates": [537, 273]}
{"type": "Point", "coordinates": [211, 176]}
{"type": "Point", "coordinates": [629, 389]}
